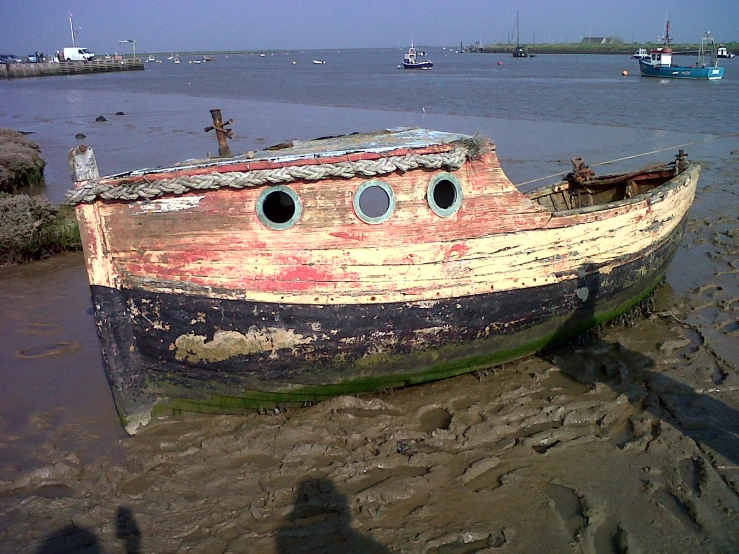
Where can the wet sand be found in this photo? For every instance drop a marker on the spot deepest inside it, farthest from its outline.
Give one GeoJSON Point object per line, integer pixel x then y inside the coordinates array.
{"type": "Point", "coordinates": [626, 444]}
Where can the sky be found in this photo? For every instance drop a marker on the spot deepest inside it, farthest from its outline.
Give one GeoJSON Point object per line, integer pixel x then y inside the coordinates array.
{"type": "Point", "coordinates": [189, 25]}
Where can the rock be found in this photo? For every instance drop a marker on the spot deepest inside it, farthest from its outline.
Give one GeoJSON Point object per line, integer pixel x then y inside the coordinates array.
{"type": "Point", "coordinates": [100, 118]}
{"type": "Point", "coordinates": [119, 113]}
{"type": "Point", "coordinates": [80, 136]}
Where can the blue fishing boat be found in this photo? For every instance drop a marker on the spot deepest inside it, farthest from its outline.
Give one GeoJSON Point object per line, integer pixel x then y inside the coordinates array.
{"type": "Point", "coordinates": [412, 61]}
{"type": "Point", "coordinates": [659, 63]}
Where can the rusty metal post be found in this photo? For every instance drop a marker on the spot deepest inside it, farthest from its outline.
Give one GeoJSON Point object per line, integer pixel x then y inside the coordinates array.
{"type": "Point", "coordinates": [221, 133]}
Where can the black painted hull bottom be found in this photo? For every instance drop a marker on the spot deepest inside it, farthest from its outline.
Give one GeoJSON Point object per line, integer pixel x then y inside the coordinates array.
{"type": "Point", "coordinates": [356, 347]}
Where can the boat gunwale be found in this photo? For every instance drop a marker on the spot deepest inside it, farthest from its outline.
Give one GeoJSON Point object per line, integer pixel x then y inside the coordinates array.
{"type": "Point", "coordinates": [177, 181]}
{"type": "Point", "coordinates": [240, 164]}
{"type": "Point", "coordinates": [658, 192]}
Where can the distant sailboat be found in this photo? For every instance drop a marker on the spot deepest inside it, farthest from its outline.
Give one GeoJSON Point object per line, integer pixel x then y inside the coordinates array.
{"type": "Point", "coordinates": [519, 51]}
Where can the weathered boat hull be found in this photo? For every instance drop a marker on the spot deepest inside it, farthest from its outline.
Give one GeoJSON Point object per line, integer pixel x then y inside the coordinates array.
{"type": "Point", "coordinates": [710, 73]}
{"type": "Point", "coordinates": [360, 348]}
{"type": "Point", "coordinates": [201, 308]}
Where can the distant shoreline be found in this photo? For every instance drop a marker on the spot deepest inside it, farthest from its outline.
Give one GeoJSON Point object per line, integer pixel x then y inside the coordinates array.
{"type": "Point", "coordinates": [579, 48]}
{"type": "Point", "coordinates": [560, 48]}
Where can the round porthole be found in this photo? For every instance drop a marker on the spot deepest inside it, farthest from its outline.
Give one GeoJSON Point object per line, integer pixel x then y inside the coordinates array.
{"type": "Point", "coordinates": [444, 194]}
{"type": "Point", "coordinates": [374, 201]}
{"type": "Point", "coordinates": [279, 207]}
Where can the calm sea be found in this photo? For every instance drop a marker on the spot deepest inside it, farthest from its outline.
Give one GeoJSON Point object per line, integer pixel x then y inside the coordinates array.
{"type": "Point", "coordinates": [559, 88]}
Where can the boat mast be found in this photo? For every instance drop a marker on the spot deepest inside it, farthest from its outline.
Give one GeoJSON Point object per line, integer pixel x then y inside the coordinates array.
{"type": "Point", "coordinates": [71, 27]}
{"type": "Point", "coordinates": [517, 31]}
{"type": "Point", "coordinates": [668, 40]}
{"type": "Point", "coordinates": [707, 49]}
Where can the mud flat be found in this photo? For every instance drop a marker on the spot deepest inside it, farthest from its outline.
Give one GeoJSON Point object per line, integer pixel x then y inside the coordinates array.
{"type": "Point", "coordinates": [628, 443]}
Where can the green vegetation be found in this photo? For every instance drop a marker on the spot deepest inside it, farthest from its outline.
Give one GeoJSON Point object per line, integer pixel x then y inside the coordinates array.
{"type": "Point", "coordinates": [181, 400]}
{"type": "Point", "coordinates": [31, 227]}
{"type": "Point", "coordinates": [21, 164]}
{"type": "Point", "coordinates": [615, 47]}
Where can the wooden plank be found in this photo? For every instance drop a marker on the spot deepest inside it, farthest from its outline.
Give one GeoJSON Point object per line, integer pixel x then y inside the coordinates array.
{"type": "Point", "coordinates": [499, 240]}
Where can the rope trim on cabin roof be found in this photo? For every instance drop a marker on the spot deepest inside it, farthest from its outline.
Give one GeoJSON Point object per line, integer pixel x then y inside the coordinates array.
{"type": "Point", "coordinates": [129, 192]}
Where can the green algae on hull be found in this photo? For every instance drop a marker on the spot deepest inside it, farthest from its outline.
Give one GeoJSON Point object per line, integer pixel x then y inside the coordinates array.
{"type": "Point", "coordinates": [177, 404]}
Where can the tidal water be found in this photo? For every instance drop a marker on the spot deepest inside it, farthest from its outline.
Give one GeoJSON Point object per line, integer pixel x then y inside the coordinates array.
{"type": "Point", "coordinates": [540, 111]}
{"type": "Point", "coordinates": [555, 88]}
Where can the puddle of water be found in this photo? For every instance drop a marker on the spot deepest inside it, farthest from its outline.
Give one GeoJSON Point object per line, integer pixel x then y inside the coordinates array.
{"type": "Point", "coordinates": [53, 491]}
{"type": "Point", "coordinates": [622, 435]}
{"type": "Point", "coordinates": [537, 428]}
{"type": "Point", "coordinates": [360, 412]}
{"type": "Point", "coordinates": [674, 506]}
{"type": "Point", "coordinates": [608, 538]}
{"type": "Point", "coordinates": [52, 349]}
{"type": "Point", "coordinates": [689, 473]}
{"type": "Point", "coordinates": [461, 547]}
{"type": "Point", "coordinates": [490, 480]}
{"type": "Point", "coordinates": [436, 418]}
{"type": "Point", "coordinates": [558, 383]}
{"type": "Point", "coordinates": [41, 328]}
{"type": "Point", "coordinates": [463, 403]}
{"type": "Point", "coordinates": [48, 387]}
{"type": "Point", "coordinates": [259, 460]}
{"type": "Point", "coordinates": [568, 506]}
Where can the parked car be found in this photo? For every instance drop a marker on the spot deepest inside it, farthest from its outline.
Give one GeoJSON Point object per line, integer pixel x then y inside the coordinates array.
{"type": "Point", "coordinates": [9, 58]}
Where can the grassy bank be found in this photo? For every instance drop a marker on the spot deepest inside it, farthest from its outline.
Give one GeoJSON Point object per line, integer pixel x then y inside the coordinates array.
{"type": "Point", "coordinates": [31, 227]}
{"type": "Point", "coordinates": [21, 165]}
{"type": "Point", "coordinates": [579, 48]}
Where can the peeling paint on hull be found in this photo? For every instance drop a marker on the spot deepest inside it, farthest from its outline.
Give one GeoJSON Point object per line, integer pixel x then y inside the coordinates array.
{"type": "Point", "coordinates": [200, 307]}
{"type": "Point", "coordinates": [348, 348]}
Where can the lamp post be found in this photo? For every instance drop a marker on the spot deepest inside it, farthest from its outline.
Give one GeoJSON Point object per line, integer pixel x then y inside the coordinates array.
{"type": "Point", "coordinates": [133, 43]}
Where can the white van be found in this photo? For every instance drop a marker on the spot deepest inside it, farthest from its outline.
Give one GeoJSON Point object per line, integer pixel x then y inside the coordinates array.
{"type": "Point", "coordinates": [76, 54]}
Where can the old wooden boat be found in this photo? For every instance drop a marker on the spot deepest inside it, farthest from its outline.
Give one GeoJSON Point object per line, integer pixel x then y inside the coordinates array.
{"type": "Point", "coordinates": [354, 263]}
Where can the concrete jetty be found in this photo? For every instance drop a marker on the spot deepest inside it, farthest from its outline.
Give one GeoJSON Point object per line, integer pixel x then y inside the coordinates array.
{"type": "Point", "coordinates": [16, 70]}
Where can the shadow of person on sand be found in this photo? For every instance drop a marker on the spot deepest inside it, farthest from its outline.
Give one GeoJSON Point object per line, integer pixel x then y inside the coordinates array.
{"type": "Point", "coordinates": [73, 539]}
{"type": "Point", "coordinates": [320, 522]}
{"type": "Point", "coordinates": [128, 531]}
{"type": "Point", "coordinates": [70, 539]}
{"type": "Point", "coordinates": [704, 419]}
